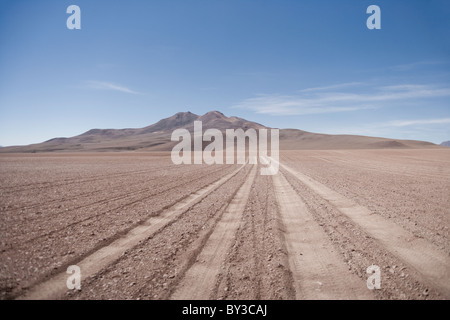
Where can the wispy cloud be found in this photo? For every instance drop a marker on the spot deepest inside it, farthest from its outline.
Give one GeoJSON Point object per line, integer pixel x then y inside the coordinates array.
{"type": "Point", "coordinates": [295, 105]}
{"type": "Point", "coordinates": [329, 100]}
{"type": "Point", "coordinates": [406, 123]}
{"type": "Point", "coordinates": [388, 128]}
{"type": "Point", "coordinates": [333, 87]}
{"type": "Point", "coordinates": [109, 86]}
{"type": "Point", "coordinates": [414, 65]}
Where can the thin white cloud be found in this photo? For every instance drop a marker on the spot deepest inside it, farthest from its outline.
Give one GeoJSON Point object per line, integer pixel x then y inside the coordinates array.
{"type": "Point", "coordinates": [333, 87]}
{"type": "Point", "coordinates": [110, 86]}
{"type": "Point", "coordinates": [414, 65]}
{"type": "Point", "coordinates": [389, 127]}
{"type": "Point", "coordinates": [406, 123]}
{"type": "Point", "coordinates": [324, 101]}
{"type": "Point", "coordinates": [294, 105]}
{"type": "Point", "coordinates": [404, 87]}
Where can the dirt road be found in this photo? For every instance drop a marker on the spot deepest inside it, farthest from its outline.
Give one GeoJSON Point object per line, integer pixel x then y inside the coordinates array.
{"type": "Point", "coordinates": [140, 227]}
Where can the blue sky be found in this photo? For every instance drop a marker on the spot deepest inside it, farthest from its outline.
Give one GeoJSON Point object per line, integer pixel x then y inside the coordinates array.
{"type": "Point", "coordinates": [311, 65]}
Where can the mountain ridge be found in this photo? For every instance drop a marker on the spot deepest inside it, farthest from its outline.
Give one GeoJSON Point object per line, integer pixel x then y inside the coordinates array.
{"type": "Point", "coordinates": [157, 137]}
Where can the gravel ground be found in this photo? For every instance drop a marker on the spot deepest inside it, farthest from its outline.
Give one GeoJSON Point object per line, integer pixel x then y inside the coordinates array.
{"type": "Point", "coordinates": [59, 209]}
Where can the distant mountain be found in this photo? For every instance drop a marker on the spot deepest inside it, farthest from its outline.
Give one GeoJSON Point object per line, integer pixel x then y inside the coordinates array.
{"type": "Point", "coordinates": [176, 121]}
{"type": "Point", "coordinates": [157, 137]}
{"type": "Point", "coordinates": [445, 143]}
{"type": "Point", "coordinates": [293, 139]}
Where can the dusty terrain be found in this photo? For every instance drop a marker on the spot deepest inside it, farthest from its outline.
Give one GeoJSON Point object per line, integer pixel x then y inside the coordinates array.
{"type": "Point", "coordinates": [140, 227]}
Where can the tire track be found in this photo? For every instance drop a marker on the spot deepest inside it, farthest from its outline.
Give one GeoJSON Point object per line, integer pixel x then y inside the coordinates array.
{"type": "Point", "coordinates": [316, 268]}
{"type": "Point", "coordinates": [257, 267]}
{"type": "Point", "coordinates": [78, 196]}
{"type": "Point", "coordinates": [199, 280]}
{"type": "Point", "coordinates": [118, 208]}
{"type": "Point", "coordinates": [82, 240]}
{"type": "Point", "coordinates": [98, 260]}
{"type": "Point", "coordinates": [169, 252]}
{"type": "Point", "coordinates": [432, 264]}
{"type": "Point", "coordinates": [65, 182]}
{"type": "Point", "coordinates": [411, 170]}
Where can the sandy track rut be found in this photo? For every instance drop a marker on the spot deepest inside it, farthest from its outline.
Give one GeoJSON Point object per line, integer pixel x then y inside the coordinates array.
{"type": "Point", "coordinates": [317, 270]}
{"type": "Point", "coordinates": [92, 264]}
{"type": "Point", "coordinates": [137, 196]}
{"type": "Point", "coordinates": [432, 264]}
{"type": "Point", "coordinates": [200, 278]}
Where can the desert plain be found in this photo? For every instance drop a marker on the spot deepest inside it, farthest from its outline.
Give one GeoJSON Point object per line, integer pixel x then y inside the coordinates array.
{"type": "Point", "coordinates": [141, 227]}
